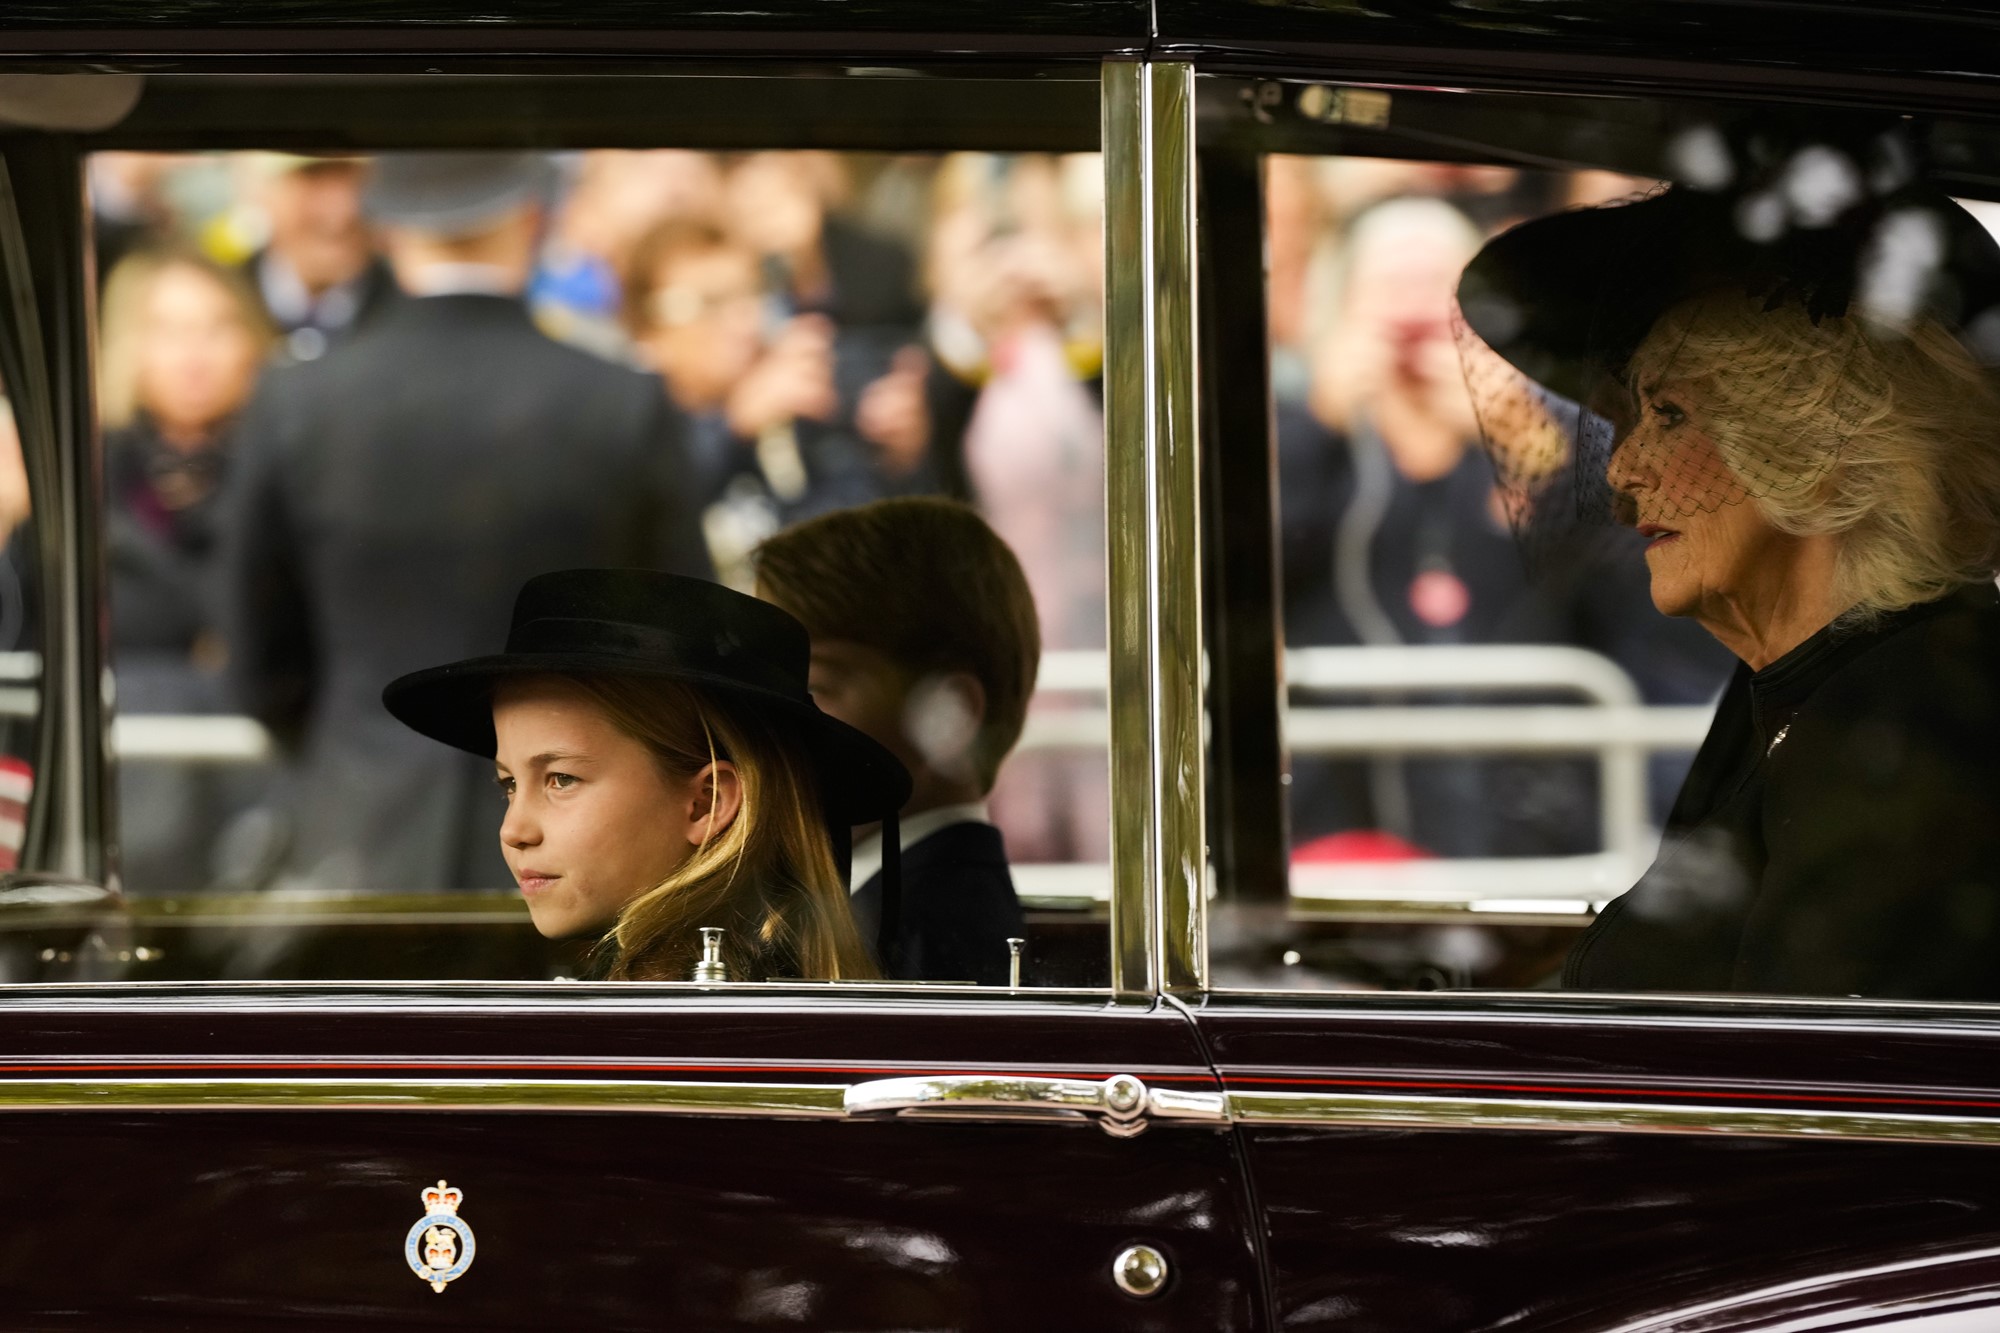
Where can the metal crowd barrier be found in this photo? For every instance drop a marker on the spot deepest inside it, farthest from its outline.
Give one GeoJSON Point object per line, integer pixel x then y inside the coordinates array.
{"type": "Point", "coordinates": [1610, 722]}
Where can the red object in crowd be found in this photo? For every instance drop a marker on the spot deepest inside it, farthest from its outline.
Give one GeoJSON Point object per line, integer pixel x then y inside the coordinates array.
{"type": "Point", "coordinates": [17, 784]}
{"type": "Point", "coordinates": [1358, 845]}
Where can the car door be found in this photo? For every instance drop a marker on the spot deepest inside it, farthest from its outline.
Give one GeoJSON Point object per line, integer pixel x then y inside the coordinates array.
{"type": "Point", "coordinates": [709, 1159]}
{"type": "Point", "coordinates": [1439, 1137]}
{"type": "Point", "coordinates": [381, 1108]}
{"type": "Point", "coordinates": [1465, 1164]}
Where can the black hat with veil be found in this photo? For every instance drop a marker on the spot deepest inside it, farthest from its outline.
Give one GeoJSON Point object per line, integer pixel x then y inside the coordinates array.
{"type": "Point", "coordinates": [1781, 280]}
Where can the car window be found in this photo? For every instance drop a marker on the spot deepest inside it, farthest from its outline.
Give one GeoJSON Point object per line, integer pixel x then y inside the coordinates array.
{"type": "Point", "coordinates": [1599, 557]}
{"type": "Point", "coordinates": [355, 398]}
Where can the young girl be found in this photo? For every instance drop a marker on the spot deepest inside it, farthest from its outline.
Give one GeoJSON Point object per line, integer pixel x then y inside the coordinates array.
{"type": "Point", "coordinates": [664, 769]}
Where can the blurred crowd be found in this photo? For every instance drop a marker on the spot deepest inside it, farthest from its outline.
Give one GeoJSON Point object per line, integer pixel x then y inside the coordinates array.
{"type": "Point", "coordinates": [830, 324]}
{"type": "Point", "coordinates": [1393, 528]}
{"type": "Point", "coordinates": [816, 330]}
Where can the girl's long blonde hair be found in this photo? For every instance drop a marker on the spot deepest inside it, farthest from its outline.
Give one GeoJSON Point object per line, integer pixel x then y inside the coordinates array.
{"type": "Point", "coordinates": [768, 879]}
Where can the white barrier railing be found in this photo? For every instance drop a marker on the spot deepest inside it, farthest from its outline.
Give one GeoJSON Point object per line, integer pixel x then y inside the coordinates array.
{"type": "Point", "coordinates": [1613, 724]}
{"type": "Point", "coordinates": [189, 739]}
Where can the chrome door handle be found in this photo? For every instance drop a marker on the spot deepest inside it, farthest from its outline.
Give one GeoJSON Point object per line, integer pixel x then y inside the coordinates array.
{"type": "Point", "coordinates": [1122, 1104]}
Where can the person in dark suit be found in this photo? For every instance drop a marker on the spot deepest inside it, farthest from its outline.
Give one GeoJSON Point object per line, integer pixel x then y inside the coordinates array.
{"type": "Point", "coordinates": [924, 636]}
{"type": "Point", "coordinates": [389, 499]}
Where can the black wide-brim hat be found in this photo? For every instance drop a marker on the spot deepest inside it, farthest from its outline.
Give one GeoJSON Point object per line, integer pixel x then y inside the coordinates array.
{"type": "Point", "coordinates": [639, 623]}
{"type": "Point", "coordinates": [1567, 299]}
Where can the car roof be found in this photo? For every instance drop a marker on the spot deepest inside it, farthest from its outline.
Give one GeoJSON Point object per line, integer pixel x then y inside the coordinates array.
{"type": "Point", "coordinates": [1944, 53]}
{"type": "Point", "coordinates": [1758, 42]}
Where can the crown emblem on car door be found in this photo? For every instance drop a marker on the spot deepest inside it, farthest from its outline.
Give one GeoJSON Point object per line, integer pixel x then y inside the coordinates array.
{"type": "Point", "coordinates": [439, 1247]}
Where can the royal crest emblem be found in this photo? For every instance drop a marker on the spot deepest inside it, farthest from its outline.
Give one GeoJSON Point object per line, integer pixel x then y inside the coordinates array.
{"type": "Point", "coordinates": [439, 1247]}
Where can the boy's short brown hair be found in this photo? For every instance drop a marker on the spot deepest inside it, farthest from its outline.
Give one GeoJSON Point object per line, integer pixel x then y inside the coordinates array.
{"type": "Point", "coordinates": [928, 585]}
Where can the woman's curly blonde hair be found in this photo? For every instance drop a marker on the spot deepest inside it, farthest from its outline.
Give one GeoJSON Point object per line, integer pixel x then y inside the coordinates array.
{"type": "Point", "coordinates": [1888, 438]}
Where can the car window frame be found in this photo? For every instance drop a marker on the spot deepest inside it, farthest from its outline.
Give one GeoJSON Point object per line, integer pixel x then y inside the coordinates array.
{"type": "Point", "coordinates": [1245, 713]}
{"type": "Point", "coordinates": [44, 349]}
{"type": "Point", "coordinates": [1139, 339]}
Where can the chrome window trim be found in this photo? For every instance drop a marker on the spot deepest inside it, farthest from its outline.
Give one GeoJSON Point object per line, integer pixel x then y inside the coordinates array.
{"type": "Point", "coordinates": [1370, 1111]}
{"type": "Point", "coordinates": [1846, 1013]}
{"type": "Point", "coordinates": [1123, 1103]}
{"type": "Point", "coordinates": [1153, 546]}
{"type": "Point", "coordinates": [830, 1101]}
{"type": "Point", "coordinates": [822, 1100]}
{"type": "Point", "coordinates": [540, 998]}
{"type": "Point", "coordinates": [1127, 372]}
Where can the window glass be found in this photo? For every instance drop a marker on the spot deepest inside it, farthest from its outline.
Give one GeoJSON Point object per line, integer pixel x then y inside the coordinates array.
{"type": "Point", "coordinates": [1695, 382]}
{"type": "Point", "coordinates": [353, 401]}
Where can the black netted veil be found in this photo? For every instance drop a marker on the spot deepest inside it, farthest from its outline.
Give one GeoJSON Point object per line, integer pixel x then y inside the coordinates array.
{"type": "Point", "coordinates": [1760, 308]}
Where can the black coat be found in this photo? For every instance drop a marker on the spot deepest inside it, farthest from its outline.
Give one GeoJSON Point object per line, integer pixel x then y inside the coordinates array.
{"type": "Point", "coordinates": [839, 470]}
{"type": "Point", "coordinates": [1839, 833]}
{"type": "Point", "coordinates": [387, 503]}
{"type": "Point", "coordinates": [161, 519]}
{"type": "Point", "coordinates": [958, 908]}
{"type": "Point", "coordinates": [161, 523]}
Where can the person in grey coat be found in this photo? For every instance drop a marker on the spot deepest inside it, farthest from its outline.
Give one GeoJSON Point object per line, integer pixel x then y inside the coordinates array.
{"type": "Point", "coordinates": [390, 498]}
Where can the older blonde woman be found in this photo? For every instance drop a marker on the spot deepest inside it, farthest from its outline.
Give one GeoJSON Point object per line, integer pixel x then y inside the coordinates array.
{"type": "Point", "coordinates": [1810, 443]}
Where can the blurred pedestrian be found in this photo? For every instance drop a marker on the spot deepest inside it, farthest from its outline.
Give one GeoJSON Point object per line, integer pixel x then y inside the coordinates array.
{"type": "Point", "coordinates": [19, 625]}
{"type": "Point", "coordinates": [1295, 209]}
{"type": "Point", "coordinates": [129, 207]}
{"type": "Point", "coordinates": [15, 511]}
{"type": "Point", "coordinates": [1392, 532]}
{"type": "Point", "coordinates": [393, 496]}
{"type": "Point", "coordinates": [318, 272]}
{"type": "Point", "coordinates": [1015, 254]}
{"type": "Point", "coordinates": [182, 341]}
{"type": "Point", "coordinates": [817, 261]}
{"type": "Point", "coordinates": [760, 399]}
{"type": "Point", "coordinates": [616, 197]}
{"type": "Point", "coordinates": [1015, 280]}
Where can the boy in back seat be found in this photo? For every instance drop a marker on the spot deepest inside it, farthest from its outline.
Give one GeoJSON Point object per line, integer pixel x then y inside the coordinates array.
{"type": "Point", "coordinates": [924, 637]}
